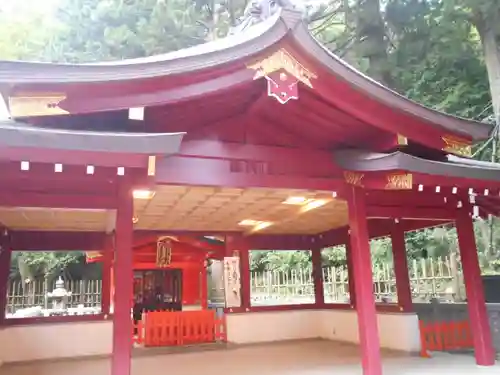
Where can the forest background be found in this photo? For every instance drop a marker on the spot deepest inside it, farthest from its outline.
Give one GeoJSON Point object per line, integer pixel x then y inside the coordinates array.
{"type": "Point", "coordinates": [442, 53]}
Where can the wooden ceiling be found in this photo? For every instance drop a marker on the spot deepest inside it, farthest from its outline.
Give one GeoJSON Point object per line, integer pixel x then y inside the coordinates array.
{"type": "Point", "coordinates": [198, 209]}
{"type": "Point", "coordinates": [53, 219]}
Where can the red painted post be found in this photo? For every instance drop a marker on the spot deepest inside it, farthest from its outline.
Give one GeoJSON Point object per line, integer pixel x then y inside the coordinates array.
{"type": "Point", "coordinates": [350, 275]}
{"type": "Point", "coordinates": [362, 267]}
{"type": "Point", "coordinates": [403, 286]}
{"type": "Point", "coordinates": [108, 254]}
{"type": "Point", "coordinates": [5, 255]}
{"type": "Point", "coordinates": [478, 315]}
{"type": "Point", "coordinates": [123, 274]}
{"type": "Point", "coordinates": [317, 273]}
{"type": "Point", "coordinates": [204, 287]}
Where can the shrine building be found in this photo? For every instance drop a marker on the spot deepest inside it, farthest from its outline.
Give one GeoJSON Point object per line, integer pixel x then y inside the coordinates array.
{"type": "Point", "coordinates": [260, 140]}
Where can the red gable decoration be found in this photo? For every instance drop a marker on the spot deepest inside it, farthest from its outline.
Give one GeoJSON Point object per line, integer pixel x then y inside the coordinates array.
{"type": "Point", "coordinates": [283, 73]}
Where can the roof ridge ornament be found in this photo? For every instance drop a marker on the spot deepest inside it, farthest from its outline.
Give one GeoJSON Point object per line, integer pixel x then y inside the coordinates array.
{"type": "Point", "coordinates": [283, 73]}
{"type": "Point", "coordinates": [258, 11]}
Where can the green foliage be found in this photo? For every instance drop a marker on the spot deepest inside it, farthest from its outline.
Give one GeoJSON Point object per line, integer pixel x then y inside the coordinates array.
{"type": "Point", "coordinates": [32, 265]}
{"type": "Point", "coordinates": [437, 57]}
{"type": "Point", "coordinates": [283, 261]}
{"type": "Point", "coordinates": [96, 30]}
{"type": "Point", "coordinates": [334, 257]}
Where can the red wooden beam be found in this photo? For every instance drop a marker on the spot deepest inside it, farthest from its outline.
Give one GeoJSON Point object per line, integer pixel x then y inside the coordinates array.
{"type": "Point", "coordinates": [75, 201]}
{"type": "Point", "coordinates": [407, 212]}
{"type": "Point", "coordinates": [212, 172]}
{"type": "Point", "coordinates": [42, 178]}
{"type": "Point", "coordinates": [95, 241]}
{"type": "Point", "coordinates": [281, 242]}
{"type": "Point", "coordinates": [377, 228]}
{"type": "Point", "coordinates": [406, 197]}
{"type": "Point", "coordinates": [57, 241]}
{"type": "Point", "coordinates": [266, 159]}
{"type": "Point", "coordinates": [67, 157]}
{"type": "Point", "coordinates": [429, 183]}
{"type": "Point", "coordinates": [229, 150]}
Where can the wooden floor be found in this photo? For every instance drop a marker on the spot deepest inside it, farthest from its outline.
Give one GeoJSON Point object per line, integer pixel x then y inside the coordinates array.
{"type": "Point", "coordinates": [305, 358]}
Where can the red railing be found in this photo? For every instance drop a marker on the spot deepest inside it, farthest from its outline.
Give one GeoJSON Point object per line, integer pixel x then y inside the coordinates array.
{"type": "Point", "coordinates": [445, 336]}
{"type": "Point", "coordinates": [162, 328]}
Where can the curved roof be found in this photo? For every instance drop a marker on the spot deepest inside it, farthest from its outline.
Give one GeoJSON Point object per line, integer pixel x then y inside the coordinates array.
{"type": "Point", "coordinates": [454, 166]}
{"type": "Point", "coordinates": [17, 135]}
{"type": "Point", "coordinates": [189, 60]}
{"type": "Point", "coordinates": [222, 65]}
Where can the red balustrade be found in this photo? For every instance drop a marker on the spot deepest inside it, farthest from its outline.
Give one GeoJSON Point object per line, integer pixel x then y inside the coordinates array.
{"type": "Point", "coordinates": [164, 328]}
{"type": "Point", "coordinates": [445, 336]}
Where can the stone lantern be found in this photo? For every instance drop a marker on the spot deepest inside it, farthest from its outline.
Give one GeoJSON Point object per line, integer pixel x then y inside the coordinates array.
{"type": "Point", "coordinates": [59, 298]}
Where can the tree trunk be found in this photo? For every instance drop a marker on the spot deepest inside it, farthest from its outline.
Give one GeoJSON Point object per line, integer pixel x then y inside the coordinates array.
{"type": "Point", "coordinates": [489, 32]}
{"type": "Point", "coordinates": [371, 41]}
{"type": "Point", "coordinates": [490, 39]}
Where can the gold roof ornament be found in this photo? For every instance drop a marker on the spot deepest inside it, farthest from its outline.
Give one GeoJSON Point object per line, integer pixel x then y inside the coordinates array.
{"type": "Point", "coordinates": [283, 73]}
{"type": "Point", "coordinates": [398, 181]}
{"type": "Point", "coordinates": [36, 104]}
{"type": "Point", "coordinates": [457, 146]}
{"type": "Point", "coordinates": [353, 178]}
{"type": "Point", "coordinates": [163, 251]}
{"type": "Point", "coordinates": [282, 59]}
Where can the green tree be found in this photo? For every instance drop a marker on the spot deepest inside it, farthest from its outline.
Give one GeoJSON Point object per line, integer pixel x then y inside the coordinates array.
{"type": "Point", "coordinates": [50, 264]}
{"type": "Point", "coordinates": [98, 30]}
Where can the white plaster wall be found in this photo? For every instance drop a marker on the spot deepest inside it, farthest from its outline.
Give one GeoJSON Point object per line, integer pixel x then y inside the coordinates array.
{"type": "Point", "coordinates": [399, 331]}
{"type": "Point", "coordinates": [69, 340]}
{"type": "Point", "coordinates": [191, 308]}
{"type": "Point", "coordinates": [53, 341]}
{"type": "Point", "coordinates": [247, 328]}
{"type": "Point", "coordinates": [396, 331]}
{"type": "Point", "coordinates": [340, 325]}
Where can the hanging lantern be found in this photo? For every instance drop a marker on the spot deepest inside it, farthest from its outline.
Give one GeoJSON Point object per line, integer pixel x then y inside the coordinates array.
{"type": "Point", "coordinates": [163, 251]}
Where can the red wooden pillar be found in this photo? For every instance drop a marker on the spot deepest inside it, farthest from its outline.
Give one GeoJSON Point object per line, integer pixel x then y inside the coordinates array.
{"type": "Point", "coordinates": [204, 287]}
{"type": "Point", "coordinates": [317, 273]}
{"type": "Point", "coordinates": [108, 254]}
{"type": "Point", "coordinates": [400, 259]}
{"type": "Point", "coordinates": [5, 255]}
{"type": "Point", "coordinates": [350, 275]}
{"type": "Point", "coordinates": [238, 246]}
{"type": "Point", "coordinates": [362, 270]}
{"type": "Point", "coordinates": [123, 274]}
{"type": "Point", "coordinates": [478, 315]}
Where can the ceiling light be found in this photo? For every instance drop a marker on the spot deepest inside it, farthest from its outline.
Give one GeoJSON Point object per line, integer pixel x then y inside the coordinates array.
{"type": "Point", "coordinates": [262, 225]}
{"type": "Point", "coordinates": [143, 194]}
{"type": "Point", "coordinates": [314, 204]}
{"type": "Point", "coordinates": [249, 223]}
{"type": "Point", "coordinates": [298, 201]}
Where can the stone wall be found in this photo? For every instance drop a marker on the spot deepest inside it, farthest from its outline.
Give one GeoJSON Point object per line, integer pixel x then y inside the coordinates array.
{"type": "Point", "coordinates": [439, 312]}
